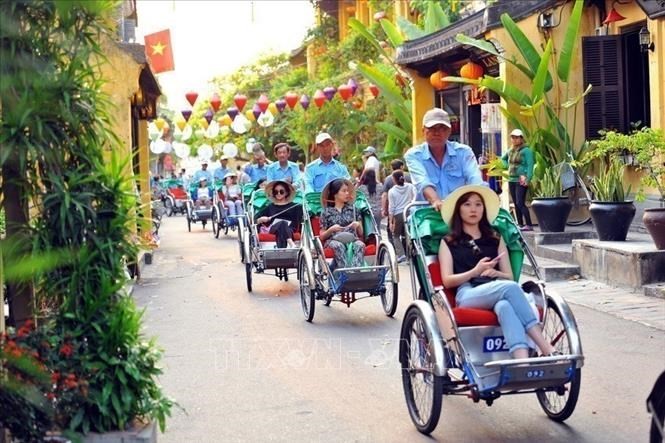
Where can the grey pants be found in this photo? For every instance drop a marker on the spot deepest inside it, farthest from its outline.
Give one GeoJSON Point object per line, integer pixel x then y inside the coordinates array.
{"type": "Point", "coordinates": [340, 259]}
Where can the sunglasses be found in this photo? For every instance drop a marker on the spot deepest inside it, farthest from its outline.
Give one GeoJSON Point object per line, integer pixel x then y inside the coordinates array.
{"type": "Point", "coordinates": [279, 192]}
{"type": "Point", "coordinates": [475, 248]}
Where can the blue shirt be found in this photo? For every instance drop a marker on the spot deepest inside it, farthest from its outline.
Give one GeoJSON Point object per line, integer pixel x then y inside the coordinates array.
{"type": "Point", "coordinates": [255, 172]}
{"type": "Point", "coordinates": [276, 172]}
{"type": "Point", "coordinates": [220, 173]}
{"type": "Point", "coordinates": [201, 173]}
{"type": "Point", "coordinates": [459, 168]}
{"type": "Point", "coordinates": [318, 174]}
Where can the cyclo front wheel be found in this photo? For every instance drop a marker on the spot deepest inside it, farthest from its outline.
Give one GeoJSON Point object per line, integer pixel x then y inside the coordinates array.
{"type": "Point", "coordinates": [422, 388]}
{"type": "Point", "coordinates": [389, 296]}
{"type": "Point", "coordinates": [306, 293]}
{"type": "Point", "coordinates": [559, 407]}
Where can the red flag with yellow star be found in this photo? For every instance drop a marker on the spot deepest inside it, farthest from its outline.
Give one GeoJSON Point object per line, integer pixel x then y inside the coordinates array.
{"type": "Point", "coordinates": [159, 51]}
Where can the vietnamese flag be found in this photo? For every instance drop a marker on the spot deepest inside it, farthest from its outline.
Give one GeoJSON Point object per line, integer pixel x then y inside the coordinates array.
{"type": "Point", "coordinates": [159, 52]}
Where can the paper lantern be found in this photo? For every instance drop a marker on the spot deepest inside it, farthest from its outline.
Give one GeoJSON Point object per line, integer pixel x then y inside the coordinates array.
{"type": "Point", "coordinates": [159, 123]}
{"type": "Point", "coordinates": [225, 120]}
{"type": "Point", "coordinates": [187, 133]}
{"type": "Point", "coordinates": [354, 86]}
{"type": "Point", "coordinates": [213, 130]}
{"type": "Point", "coordinates": [256, 111]}
{"type": "Point", "coordinates": [374, 90]}
{"type": "Point", "coordinates": [291, 99]}
{"type": "Point", "coordinates": [205, 152]}
{"type": "Point", "coordinates": [232, 112]}
{"type": "Point", "coordinates": [436, 80]}
{"type": "Point", "coordinates": [208, 116]}
{"type": "Point", "coordinates": [265, 119]}
{"type": "Point", "coordinates": [204, 123]}
{"type": "Point", "coordinates": [186, 114]}
{"type": "Point", "coordinates": [273, 109]}
{"type": "Point", "coordinates": [319, 98]}
{"type": "Point", "coordinates": [191, 97]}
{"type": "Point", "coordinates": [263, 102]}
{"type": "Point", "coordinates": [241, 124]}
{"type": "Point", "coordinates": [471, 70]}
{"type": "Point", "coordinates": [230, 150]}
{"type": "Point", "coordinates": [329, 92]}
{"type": "Point", "coordinates": [240, 100]}
{"type": "Point", "coordinates": [280, 104]}
{"type": "Point", "coordinates": [181, 124]}
{"type": "Point", "coordinates": [345, 91]}
{"type": "Point", "coordinates": [215, 102]}
{"type": "Point", "coordinates": [250, 115]}
{"type": "Point", "coordinates": [304, 101]}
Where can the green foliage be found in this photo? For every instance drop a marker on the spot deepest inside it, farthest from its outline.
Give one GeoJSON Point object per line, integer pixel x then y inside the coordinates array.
{"type": "Point", "coordinates": [56, 126]}
{"type": "Point", "coordinates": [608, 185]}
{"type": "Point", "coordinates": [544, 123]}
{"type": "Point", "coordinates": [647, 145]}
{"type": "Point", "coordinates": [549, 185]}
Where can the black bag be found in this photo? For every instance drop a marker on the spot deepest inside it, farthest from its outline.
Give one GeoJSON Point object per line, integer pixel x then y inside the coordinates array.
{"type": "Point", "coordinates": [477, 281]}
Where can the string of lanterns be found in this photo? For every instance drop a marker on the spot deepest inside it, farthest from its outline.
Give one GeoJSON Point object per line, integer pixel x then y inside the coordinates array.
{"type": "Point", "coordinates": [469, 70]}
{"type": "Point", "coordinates": [238, 119]}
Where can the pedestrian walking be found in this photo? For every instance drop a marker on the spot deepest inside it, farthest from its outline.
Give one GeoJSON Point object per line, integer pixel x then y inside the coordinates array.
{"type": "Point", "coordinates": [399, 196]}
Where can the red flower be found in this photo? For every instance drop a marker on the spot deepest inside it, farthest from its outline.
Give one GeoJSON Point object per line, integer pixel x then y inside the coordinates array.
{"type": "Point", "coordinates": [67, 350]}
{"type": "Point", "coordinates": [55, 377]}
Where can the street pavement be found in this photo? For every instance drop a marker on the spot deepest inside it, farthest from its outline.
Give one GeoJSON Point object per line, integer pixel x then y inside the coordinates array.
{"type": "Point", "coordinates": [246, 367]}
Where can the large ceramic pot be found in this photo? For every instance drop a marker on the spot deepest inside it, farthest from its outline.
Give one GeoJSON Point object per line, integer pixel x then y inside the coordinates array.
{"type": "Point", "coordinates": [612, 219]}
{"type": "Point", "coordinates": [551, 213]}
{"type": "Point", "coordinates": [654, 221]}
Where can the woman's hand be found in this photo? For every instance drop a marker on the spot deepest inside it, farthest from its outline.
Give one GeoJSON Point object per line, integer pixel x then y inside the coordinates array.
{"type": "Point", "coordinates": [354, 225]}
{"type": "Point", "coordinates": [485, 264]}
{"type": "Point", "coordinates": [492, 273]}
{"type": "Point", "coordinates": [262, 220]}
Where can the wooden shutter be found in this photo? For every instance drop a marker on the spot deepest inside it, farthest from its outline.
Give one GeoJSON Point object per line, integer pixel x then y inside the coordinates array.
{"type": "Point", "coordinates": [603, 69]}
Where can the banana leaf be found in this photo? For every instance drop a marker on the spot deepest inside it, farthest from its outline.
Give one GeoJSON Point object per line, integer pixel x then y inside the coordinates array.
{"type": "Point", "coordinates": [385, 84]}
{"type": "Point", "coordinates": [575, 100]}
{"type": "Point", "coordinates": [435, 18]}
{"type": "Point", "coordinates": [396, 132]}
{"type": "Point", "coordinates": [393, 34]}
{"type": "Point", "coordinates": [568, 48]}
{"type": "Point", "coordinates": [411, 31]}
{"type": "Point", "coordinates": [505, 90]}
{"type": "Point", "coordinates": [362, 30]}
{"type": "Point", "coordinates": [526, 48]}
{"type": "Point", "coordinates": [538, 88]}
{"type": "Point", "coordinates": [402, 113]}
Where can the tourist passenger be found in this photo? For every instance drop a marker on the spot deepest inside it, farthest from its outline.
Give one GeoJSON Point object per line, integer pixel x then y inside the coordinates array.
{"type": "Point", "coordinates": [474, 259]}
{"type": "Point", "coordinates": [439, 166]}
{"type": "Point", "coordinates": [325, 168]}
{"type": "Point", "coordinates": [233, 194]}
{"type": "Point", "coordinates": [203, 194]}
{"type": "Point", "coordinates": [281, 217]}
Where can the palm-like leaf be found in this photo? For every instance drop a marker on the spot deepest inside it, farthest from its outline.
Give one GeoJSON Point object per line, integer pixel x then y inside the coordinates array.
{"type": "Point", "coordinates": [411, 31]}
{"type": "Point", "coordinates": [538, 87]}
{"type": "Point", "coordinates": [393, 34]}
{"type": "Point", "coordinates": [394, 131]}
{"type": "Point", "coordinates": [362, 30]}
{"type": "Point", "coordinates": [568, 48]}
{"type": "Point", "coordinates": [385, 84]}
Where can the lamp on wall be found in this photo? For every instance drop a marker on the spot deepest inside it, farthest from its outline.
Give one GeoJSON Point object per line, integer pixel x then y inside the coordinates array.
{"type": "Point", "coordinates": [645, 40]}
{"type": "Point", "coordinates": [613, 16]}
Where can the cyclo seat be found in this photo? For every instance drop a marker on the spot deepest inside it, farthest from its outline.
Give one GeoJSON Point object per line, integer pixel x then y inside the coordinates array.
{"type": "Point", "coordinates": [370, 243]}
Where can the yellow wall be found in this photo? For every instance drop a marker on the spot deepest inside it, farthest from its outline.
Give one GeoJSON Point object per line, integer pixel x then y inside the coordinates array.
{"type": "Point", "coordinates": [422, 99]}
{"type": "Point", "coordinates": [121, 75]}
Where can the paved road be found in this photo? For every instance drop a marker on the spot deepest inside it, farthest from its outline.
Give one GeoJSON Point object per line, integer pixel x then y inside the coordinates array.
{"type": "Point", "coordinates": [247, 367]}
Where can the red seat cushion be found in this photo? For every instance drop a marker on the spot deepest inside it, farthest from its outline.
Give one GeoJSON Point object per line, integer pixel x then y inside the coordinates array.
{"type": "Point", "coordinates": [178, 194]}
{"type": "Point", "coordinates": [267, 237]}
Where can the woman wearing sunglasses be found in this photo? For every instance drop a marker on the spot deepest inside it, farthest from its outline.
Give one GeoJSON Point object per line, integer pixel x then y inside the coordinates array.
{"type": "Point", "coordinates": [281, 217]}
{"type": "Point", "coordinates": [474, 259]}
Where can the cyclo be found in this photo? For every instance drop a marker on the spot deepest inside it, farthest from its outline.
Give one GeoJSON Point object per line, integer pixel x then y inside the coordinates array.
{"type": "Point", "coordinates": [319, 282]}
{"type": "Point", "coordinates": [196, 214]}
{"type": "Point", "coordinates": [258, 249]}
{"type": "Point", "coordinates": [220, 218]}
{"type": "Point", "coordinates": [175, 197]}
{"type": "Point", "coordinates": [448, 350]}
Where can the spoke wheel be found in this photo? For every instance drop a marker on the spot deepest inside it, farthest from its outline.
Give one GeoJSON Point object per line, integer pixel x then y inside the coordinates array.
{"type": "Point", "coordinates": [189, 224]}
{"type": "Point", "coordinates": [579, 214]}
{"type": "Point", "coordinates": [169, 207]}
{"type": "Point", "coordinates": [306, 294]}
{"type": "Point", "coordinates": [422, 388]}
{"type": "Point", "coordinates": [248, 275]}
{"type": "Point", "coordinates": [213, 222]}
{"type": "Point", "coordinates": [559, 407]}
{"type": "Point", "coordinates": [389, 297]}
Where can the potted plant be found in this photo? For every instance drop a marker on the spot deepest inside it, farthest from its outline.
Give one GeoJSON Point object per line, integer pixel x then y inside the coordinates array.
{"type": "Point", "coordinates": [611, 213]}
{"type": "Point", "coordinates": [549, 204]}
{"type": "Point", "coordinates": [647, 148]}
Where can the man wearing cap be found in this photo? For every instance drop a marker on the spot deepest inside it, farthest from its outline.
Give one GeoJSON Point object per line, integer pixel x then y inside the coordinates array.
{"type": "Point", "coordinates": [439, 166]}
{"type": "Point", "coordinates": [325, 168]}
{"type": "Point", "coordinates": [283, 169]}
{"type": "Point", "coordinates": [203, 172]}
{"type": "Point", "coordinates": [259, 169]}
{"type": "Point", "coordinates": [519, 161]}
{"type": "Point", "coordinates": [223, 169]}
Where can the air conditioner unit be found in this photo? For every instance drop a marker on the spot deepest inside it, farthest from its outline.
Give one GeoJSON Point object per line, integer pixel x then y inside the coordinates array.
{"type": "Point", "coordinates": [601, 30]}
{"type": "Point", "coordinates": [545, 20]}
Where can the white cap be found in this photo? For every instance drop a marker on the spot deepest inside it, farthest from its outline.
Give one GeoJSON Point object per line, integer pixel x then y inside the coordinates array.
{"type": "Point", "coordinates": [323, 136]}
{"type": "Point", "coordinates": [202, 179]}
{"type": "Point", "coordinates": [225, 157]}
{"type": "Point", "coordinates": [369, 150]}
{"type": "Point", "coordinates": [517, 133]}
{"type": "Point", "coordinates": [436, 116]}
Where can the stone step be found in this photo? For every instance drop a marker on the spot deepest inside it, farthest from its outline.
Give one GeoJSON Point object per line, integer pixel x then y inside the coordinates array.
{"type": "Point", "coordinates": [654, 290]}
{"type": "Point", "coordinates": [534, 238]}
{"type": "Point", "coordinates": [560, 252]}
{"type": "Point", "coordinates": [551, 270]}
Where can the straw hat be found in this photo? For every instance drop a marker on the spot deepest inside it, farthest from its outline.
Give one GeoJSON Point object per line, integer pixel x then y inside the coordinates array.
{"type": "Point", "coordinates": [491, 200]}
{"type": "Point", "coordinates": [326, 191]}
{"type": "Point", "coordinates": [270, 185]}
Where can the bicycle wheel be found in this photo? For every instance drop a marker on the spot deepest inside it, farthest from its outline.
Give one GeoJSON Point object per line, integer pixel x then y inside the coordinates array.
{"type": "Point", "coordinates": [580, 198]}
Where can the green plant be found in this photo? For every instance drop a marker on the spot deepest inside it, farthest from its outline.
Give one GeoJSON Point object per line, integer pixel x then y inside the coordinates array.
{"type": "Point", "coordinates": [547, 121]}
{"type": "Point", "coordinates": [607, 185]}
{"type": "Point", "coordinates": [647, 145]}
{"type": "Point", "coordinates": [549, 185]}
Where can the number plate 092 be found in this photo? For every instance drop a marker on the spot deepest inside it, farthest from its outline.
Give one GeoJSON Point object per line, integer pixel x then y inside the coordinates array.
{"type": "Point", "coordinates": [495, 344]}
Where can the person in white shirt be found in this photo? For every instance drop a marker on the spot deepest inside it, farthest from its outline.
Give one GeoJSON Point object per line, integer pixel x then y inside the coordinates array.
{"type": "Point", "coordinates": [203, 194]}
{"type": "Point", "coordinates": [233, 194]}
{"type": "Point", "coordinates": [399, 196]}
{"type": "Point", "coordinates": [371, 161]}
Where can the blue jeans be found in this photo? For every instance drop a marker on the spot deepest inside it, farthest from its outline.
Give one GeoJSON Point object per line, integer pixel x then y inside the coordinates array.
{"type": "Point", "coordinates": [509, 303]}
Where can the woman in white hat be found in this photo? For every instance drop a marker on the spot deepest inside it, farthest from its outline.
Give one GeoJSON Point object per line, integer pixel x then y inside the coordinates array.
{"type": "Point", "coordinates": [474, 259]}
{"type": "Point", "coordinates": [519, 161]}
{"type": "Point", "coordinates": [281, 217]}
{"type": "Point", "coordinates": [232, 194]}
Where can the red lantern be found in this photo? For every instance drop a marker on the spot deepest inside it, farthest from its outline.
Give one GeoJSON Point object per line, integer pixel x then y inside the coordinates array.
{"type": "Point", "coordinates": [215, 102]}
{"type": "Point", "coordinates": [240, 100]}
{"type": "Point", "coordinates": [319, 98]}
{"type": "Point", "coordinates": [345, 91]}
{"type": "Point", "coordinates": [263, 102]}
{"type": "Point", "coordinates": [191, 97]}
{"type": "Point", "coordinates": [436, 80]}
{"type": "Point", "coordinates": [471, 71]}
{"type": "Point", "coordinates": [291, 99]}
{"type": "Point", "coordinates": [374, 90]}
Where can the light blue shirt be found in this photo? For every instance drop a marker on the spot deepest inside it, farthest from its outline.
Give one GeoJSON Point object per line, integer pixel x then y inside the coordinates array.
{"type": "Point", "coordinates": [201, 173]}
{"type": "Point", "coordinates": [220, 173]}
{"type": "Point", "coordinates": [459, 168]}
{"type": "Point", "coordinates": [317, 174]}
{"type": "Point", "coordinates": [255, 172]}
{"type": "Point", "coordinates": [276, 172]}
